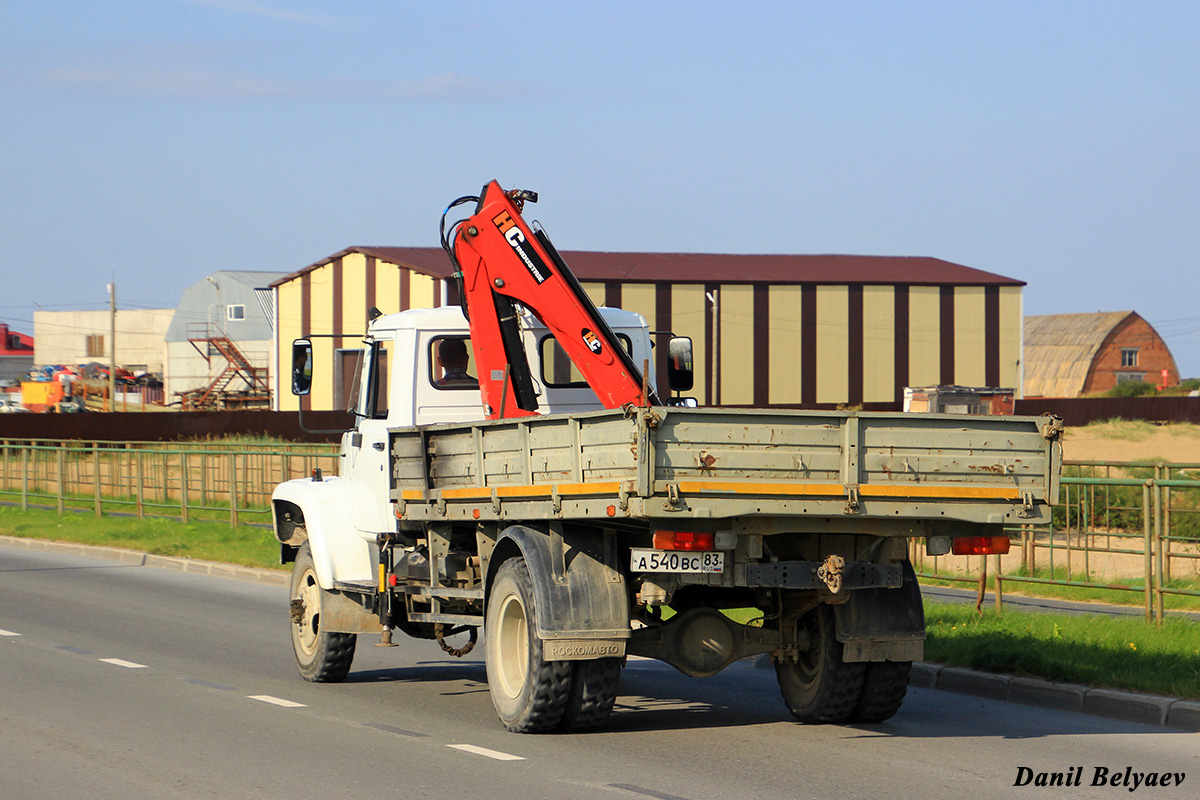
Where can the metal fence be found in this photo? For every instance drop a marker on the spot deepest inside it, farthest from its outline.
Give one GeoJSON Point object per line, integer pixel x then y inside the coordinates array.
{"type": "Point", "coordinates": [1119, 527]}
{"type": "Point", "coordinates": [204, 481]}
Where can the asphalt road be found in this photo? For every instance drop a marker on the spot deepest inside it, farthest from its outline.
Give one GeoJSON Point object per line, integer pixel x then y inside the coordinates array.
{"type": "Point", "coordinates": [135, 682]}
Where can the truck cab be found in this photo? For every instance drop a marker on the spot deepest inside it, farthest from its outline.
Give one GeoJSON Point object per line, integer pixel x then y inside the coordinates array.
{"type": "Point", "coordinates": [417, 369]}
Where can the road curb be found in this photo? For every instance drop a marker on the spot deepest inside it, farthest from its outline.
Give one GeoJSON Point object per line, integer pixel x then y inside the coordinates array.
{"type": "Point", "coordinates": [137, 558]}
{"type": "Point", "coordinates": [1170, 712]}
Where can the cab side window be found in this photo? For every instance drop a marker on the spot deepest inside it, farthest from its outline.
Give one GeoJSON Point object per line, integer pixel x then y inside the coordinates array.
{"type": "Point", "coordinates": [450, 363]}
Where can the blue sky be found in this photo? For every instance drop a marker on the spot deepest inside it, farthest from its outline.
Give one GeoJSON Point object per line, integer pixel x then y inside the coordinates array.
{"type": "Point", "coordinates": [153, 141]}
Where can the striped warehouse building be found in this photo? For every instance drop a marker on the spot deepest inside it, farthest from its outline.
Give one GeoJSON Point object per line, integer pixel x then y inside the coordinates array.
{"type": "Point", "coordinates": [807, 331]}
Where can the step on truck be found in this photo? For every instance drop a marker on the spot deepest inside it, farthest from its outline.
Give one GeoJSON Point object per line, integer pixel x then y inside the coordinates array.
{"type": "Point", "coordinates": [512, 469]}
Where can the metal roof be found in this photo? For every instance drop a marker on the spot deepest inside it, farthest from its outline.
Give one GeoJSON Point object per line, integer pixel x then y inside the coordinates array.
{"type": "Point", "coordinates": [198, 305]}
{"type": "Point", "coordinates": [1059, 350]}
{"type": "Point", "coordinates": [714, 268]}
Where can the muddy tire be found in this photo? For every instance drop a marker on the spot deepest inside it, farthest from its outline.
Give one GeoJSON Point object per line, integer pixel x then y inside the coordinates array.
{"type": "Point", "coordinates": [530, 694]}
{"type": "Point", "coordinates": [884, 686]}
{"type": "Point", "coordinates": [594, 687]}
{"type": "Point", "coordinates": [321, 656]}
{"type": "Point", "coordinates": [820, 687]}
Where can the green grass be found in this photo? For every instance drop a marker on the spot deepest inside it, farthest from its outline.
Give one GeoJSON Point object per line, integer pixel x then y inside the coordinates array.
{"type": "Point", "coordinates": [1115, 652]}
{"type": "Point", "coordinates": [210, 541]}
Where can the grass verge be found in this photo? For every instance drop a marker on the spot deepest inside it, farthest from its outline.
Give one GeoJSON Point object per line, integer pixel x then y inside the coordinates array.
{"type": "Point", "coordinates": [1097, 651]}
{"type": "Point", "coordinates": [210, 541]}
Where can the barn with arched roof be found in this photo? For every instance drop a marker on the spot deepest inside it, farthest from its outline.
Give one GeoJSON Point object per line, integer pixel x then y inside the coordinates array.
{"type": "Point", "coordinates": [1068, 355]}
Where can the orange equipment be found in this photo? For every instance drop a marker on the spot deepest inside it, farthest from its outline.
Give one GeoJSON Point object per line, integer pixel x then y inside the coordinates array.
{"type": "Point", "coordinates": [501, 262]}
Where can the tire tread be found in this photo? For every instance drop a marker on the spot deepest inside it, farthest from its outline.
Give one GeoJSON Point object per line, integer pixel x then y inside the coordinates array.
{"type": "Point", "coordinates": [884, 687]}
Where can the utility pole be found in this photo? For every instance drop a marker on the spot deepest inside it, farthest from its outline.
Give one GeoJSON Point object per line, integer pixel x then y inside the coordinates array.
{"type": "Point", "coordinates": [112, 351]}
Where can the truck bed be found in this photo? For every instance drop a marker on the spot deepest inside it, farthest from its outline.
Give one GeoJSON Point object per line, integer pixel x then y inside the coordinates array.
{"type": "Point", "coordinates": [729, 463]}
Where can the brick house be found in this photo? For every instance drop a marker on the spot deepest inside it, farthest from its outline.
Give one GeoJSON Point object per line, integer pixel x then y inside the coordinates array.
{"type": "Point", "coordinates": [1068, 355]}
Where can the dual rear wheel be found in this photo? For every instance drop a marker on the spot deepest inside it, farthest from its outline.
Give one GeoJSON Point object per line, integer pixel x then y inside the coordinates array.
{"type": "Point", "coordinates": [532, 694]}
{"type": "Point", "coordinates": [822, 687]}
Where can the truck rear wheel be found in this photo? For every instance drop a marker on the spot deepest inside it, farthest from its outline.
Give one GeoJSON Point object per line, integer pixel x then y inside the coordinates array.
{"type": "Point", "coordinates": [820, 687]}
{"type": "Point", "coordinates": [529, 693]}
{"type": "Point", "coordinates": [884, 685]}
{"type": "Point", "coordinates": [593, 693]}
{"type": "Point", "coordinates": [321, 656]}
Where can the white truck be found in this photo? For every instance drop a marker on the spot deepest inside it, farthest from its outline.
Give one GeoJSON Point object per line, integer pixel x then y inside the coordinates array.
{"type": "Point", "coordinates": [617, 524]}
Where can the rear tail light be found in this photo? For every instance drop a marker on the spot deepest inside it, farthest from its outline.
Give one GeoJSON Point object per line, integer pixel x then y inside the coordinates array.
{"type": "Point", "coordinates": [980, 545]}
{"type": "Point", "coordinates": [682, 540]}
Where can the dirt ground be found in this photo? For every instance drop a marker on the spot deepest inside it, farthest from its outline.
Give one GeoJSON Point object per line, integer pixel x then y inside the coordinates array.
{"type": "Point", "coordinates": [1133, 441]}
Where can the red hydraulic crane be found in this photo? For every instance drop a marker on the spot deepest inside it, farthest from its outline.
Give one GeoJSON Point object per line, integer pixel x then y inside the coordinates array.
{"type": "Point", "coordinates": [501, 262]}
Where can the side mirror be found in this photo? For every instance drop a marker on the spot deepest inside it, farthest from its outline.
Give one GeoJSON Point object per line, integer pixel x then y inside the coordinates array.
{"type": "Point", "coordinates": [302, 366]}
{"type": "Point", "coordinates": [679, 364]}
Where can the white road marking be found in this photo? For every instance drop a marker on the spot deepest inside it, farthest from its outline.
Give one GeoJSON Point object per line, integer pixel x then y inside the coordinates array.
{"type": "Point", "coordinates": [275, 701]}
{"type": "Point", "coordinates": [8, 633]}
{"type": "Point", "coordinates": [483, 751]}
{"type": "Point", "coordinates": [122, 663]}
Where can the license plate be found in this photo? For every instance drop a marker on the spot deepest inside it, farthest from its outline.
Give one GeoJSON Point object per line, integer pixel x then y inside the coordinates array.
{"type": "Point", "coordinates": [675, 561]}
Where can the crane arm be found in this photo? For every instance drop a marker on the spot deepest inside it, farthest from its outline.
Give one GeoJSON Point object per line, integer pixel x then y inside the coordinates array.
{"type": "Point", "coordinates": [501, 262]}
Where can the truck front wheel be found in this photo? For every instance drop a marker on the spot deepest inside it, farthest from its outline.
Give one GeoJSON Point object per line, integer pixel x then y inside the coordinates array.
{"type": "Point", "coordinates": [530, 693]}
{"type": "Point", "coordinates": [321, 656]}
{"type": "Point", "coordinates": [820, 687]}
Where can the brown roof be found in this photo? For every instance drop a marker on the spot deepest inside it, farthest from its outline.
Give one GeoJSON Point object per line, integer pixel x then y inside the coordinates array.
{"type": "Point", "coordinates": [715, 268]}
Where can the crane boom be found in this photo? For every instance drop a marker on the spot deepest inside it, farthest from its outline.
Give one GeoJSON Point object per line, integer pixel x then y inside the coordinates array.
{"type": "Point", "coordinates": [501, 263]}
